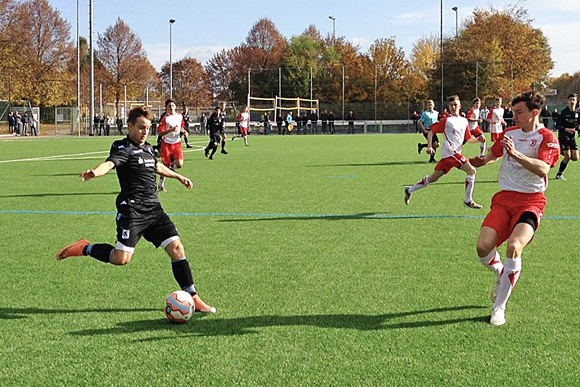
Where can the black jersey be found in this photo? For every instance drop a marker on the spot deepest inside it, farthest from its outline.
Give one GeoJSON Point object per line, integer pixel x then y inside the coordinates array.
{"type": "Point", "coordinates": [136, 166]}
{"type": "Point", "coordinates": [215, 123]}
{"type": "Point", "coordinates": [567, 120]}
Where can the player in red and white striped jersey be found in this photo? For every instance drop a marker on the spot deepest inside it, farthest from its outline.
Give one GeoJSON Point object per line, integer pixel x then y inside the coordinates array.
{"type": "Point", "coordinates": [528, 151]}
{"type": "Point", "coordinates": [474, 118]}
{"type": "Point", "coordinates": [456, 132]}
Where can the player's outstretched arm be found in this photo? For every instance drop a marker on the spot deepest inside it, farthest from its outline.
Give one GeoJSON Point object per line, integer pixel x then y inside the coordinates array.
{"type": "Point", "coordinates": [164, 171]}
{"type": "Point", "coordinates": [481, 161]}
{"type": "Point", "coordinates": [99, 170]}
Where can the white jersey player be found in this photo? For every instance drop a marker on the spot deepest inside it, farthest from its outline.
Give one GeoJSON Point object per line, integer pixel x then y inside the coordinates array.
{"type": "Point", "coordinates": [455, 130]}
{"type": "Point", "coordinates": [495, 119]}
{"type": "Point", "coordinates": [528, 151]}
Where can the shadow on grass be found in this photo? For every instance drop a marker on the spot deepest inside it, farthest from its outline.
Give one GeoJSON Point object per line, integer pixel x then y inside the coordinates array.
{"type": "Point", "coordinates": [363, 215]}
{"type": "Point", "coordinates": [204, 325]}
{"type": "Point", "coordinates": [20, 313]}
{"type": "Point", "coordinates": [44, 195]}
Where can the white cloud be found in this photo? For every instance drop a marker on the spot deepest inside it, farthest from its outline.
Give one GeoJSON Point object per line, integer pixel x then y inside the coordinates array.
{"type": "Point", "coordinates": [363, 43]}
{"type": "Point", "coordinates": [158, 54]}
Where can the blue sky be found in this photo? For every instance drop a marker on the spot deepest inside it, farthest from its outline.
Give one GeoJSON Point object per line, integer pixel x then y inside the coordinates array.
{"type": "Point", "coordinates": [203, 28]}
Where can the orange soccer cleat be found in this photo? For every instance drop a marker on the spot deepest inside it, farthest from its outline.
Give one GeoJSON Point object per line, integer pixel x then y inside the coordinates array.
{"type": "Point", "coordinates": [201, 306]}
{"type": "Point", "coordinates": [74, 250]}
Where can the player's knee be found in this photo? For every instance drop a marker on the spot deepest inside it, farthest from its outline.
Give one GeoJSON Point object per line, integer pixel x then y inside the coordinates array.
{"type": "Point", "coordinates": [484, 247]}
{"type": "Point", "coordinates": [120, 258]}
{"type": "Point", "coordinates": [175, 249]}
{"type": "Point", "coordinates": [514, 248]}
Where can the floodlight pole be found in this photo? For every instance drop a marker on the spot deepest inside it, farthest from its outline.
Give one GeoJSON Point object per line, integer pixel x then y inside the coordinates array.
{"type": "Point", "coordinates": [441, 49]}
{"type": "Point", "coordinates": [456, 20]}
{"type": "Point", "coordinates": [78, 119]}
{"type": "Point", "coordinates": [92, 68]}
{"type": "Point", "coordinates": [333, 28]}
{"type": "Point", "coordinates": [171, 21]}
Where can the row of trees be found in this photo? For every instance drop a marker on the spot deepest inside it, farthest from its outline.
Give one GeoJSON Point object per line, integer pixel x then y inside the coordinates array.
{"type": "Point", "coordinates": [497, 52]}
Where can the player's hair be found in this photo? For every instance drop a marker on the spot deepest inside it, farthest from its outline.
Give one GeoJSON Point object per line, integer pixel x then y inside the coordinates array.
{"type": "Point", "coordinates": [476, 100]}
{"type": "Point", "coordinates": [452, 98]}
{"type": "Point", "coordinates": [139, 111]}
{"type": "Point", "coordinates": [430, 100]}
{"type": "Point", "coordinates": [497, 99]}
{"type": "Point", "coordinates": [168, 101]}
{"type": "Point", "coordinates": [572, 95]}
{"type": "Point", "coordinates": [532, 100]}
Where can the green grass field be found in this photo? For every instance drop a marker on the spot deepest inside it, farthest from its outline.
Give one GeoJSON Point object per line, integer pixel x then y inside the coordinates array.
{"type": "Point", "coordinates": [320, 273]}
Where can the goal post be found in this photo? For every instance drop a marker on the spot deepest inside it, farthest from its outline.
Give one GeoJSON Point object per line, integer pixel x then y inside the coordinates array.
{"type": "Point", "coordinates": [299, 105]}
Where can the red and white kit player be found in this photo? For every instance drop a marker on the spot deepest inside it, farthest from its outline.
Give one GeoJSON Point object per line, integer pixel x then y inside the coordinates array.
{"type": "Point", "coordinates": [474, 118]}
{"type": "Point", "coordinates": [528, 151]}
{"type": "Point", "coordinates": [495, 119]}
{"type": "Point", "coordinates": [456, 132]}
{"type": "Point", "coordinates": [171, 127]}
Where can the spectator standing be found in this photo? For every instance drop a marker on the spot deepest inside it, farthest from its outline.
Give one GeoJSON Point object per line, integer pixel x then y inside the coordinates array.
{"type": "Point", "coordinates": [11, 123]}
{"type": "Point", "coordinates": [266, 123]}
{"type": "Point", "coordinates": [33, 126]}
{"type": "Point", "coordinates": [25, 124]}
{"type": "Point", "coordinates": [314, 121]}
{"type": "Point", "coordinates": [350, 118]}
{"type": "Point", "coordinates": [279, 121]}
{"type": "Point", "coordinates": [119, 123]}
{"type": "Point", "coordinates": [483, 114]}
{"type": "Point", "coordinates": [202, 122]}
{"type": "Point", "coordinates": [545, 114]}
{"type": "Point", "coordinates": [17, 122]}
{"type": "Point", "coordinates": [508, 116]}
{"type": "Point", "coordinates": [324, 119]}
{"type": "Point", "coordinates": [415, 119]}
{"type": "Point", "coordinates": [331, 122]}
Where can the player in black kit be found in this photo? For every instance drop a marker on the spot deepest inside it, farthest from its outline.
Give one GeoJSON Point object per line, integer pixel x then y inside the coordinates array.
{"type": "Point", "coordinates": [567, 125]}
{"type": "Point", "coordinates": [139, 213]}
{"type": "Point", "coordinates": [214, 127]}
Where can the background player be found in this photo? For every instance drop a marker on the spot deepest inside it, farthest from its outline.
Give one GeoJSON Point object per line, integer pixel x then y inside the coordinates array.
{"type": "Point", "coordinates": [456, 131]}
{"type": "Point", "coordinates": [528, 151]}
{"type": "Point", "coordinates": [244, 124]}
{"type": "Point", "coordinates": [171, 128]}
{"type": "Point", "coordinates": [139, 212]}
{"type": "Point", "coordinates": [428, 118]}
{"type": "Point", "coordinates": [214, 126]}
{"type": "Point", "coordinates": [222, 130]}
{"type": "Point", "coordinates": [567, 125]}
{"type": "Point", "coordinates": [495, 119]}
{"type": "Point", "coordinates": [474, 118]}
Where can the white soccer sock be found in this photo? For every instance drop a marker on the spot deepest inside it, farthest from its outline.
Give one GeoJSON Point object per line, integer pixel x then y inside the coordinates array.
{"type": "Point", "coordinates": [469, 183]}
{"type": "Point", "coordinates": [482, 148]}
{"type": "Point", "coordinates": [424, 182]}
{"type": "Point", "coordinates": [509, 277]}
{"type": "Point", "coordinates": [493, 262]}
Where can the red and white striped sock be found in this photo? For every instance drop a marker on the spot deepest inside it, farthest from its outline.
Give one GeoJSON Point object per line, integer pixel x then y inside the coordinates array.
{"type": "Point", "coordinates": [424, 182]}
{"type": "Point", "coordinates": [493, 262]}
{"type": "Point", "coordinates": [509, 277]}
{"type": "Point", "coordinates": [469, 183]}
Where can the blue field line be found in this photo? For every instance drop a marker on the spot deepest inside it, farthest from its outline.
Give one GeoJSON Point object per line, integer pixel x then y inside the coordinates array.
{"type": "Point", "coordinates": [276, 215]}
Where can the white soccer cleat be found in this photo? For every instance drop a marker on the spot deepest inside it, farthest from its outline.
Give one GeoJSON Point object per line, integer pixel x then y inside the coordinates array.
{"type": "Point", "coordinates": [497, 316]}
{"type": "Point", "coordinates": [407, 196]}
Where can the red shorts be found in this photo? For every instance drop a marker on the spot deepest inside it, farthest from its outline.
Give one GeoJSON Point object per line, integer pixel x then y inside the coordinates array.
{"type": "Point", "coordinates": [244, 131]}
{"type": "Point", "coordinates": [455, 161]}
{"type": "Point", "coordinates": [476, 132]}
{"type": "Point", "coordinates": [506, 209]}
{"type": "Point", "coordinates": [495, 136]}
{"type": "Point", "coordinates": [170, 152]}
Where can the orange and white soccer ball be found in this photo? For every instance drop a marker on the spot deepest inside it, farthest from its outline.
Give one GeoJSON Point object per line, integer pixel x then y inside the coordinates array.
{"type": "Point", "coordinates": [179, 306]}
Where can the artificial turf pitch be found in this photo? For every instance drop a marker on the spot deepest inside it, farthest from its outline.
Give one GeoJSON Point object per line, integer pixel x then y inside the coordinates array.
{"type": "Point", "coordinates": [320, 274]}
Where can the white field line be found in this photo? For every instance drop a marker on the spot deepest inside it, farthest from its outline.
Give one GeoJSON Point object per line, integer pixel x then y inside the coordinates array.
{"type": "Point", "coordinates": [74, 156]}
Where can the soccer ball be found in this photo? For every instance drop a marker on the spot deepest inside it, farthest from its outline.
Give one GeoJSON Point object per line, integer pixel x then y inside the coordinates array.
{"type": "Point", "coordinates": [179, 306]}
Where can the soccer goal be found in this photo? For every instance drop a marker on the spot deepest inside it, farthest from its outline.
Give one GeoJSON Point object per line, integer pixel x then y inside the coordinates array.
{"type": "Point", "coordinates": [297, 105]}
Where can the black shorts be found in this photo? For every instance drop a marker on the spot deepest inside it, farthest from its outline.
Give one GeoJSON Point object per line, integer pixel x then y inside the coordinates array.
{"type": "Point", "coordinates": [435, 139]}
{"type": "Point", "coordinates": [567, 141]}
{"type": "Point", "coordinates": [215, 137]}
{"type": "Point", "coordinates": [151, 222]}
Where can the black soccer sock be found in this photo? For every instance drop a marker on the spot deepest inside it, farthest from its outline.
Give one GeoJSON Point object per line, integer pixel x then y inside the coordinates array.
{"type": "Point", "coordinates": [183, 276]}
{"type": "Point", "coordinates": [563, 166]}
{"type": "Point", "coordinates": [223, 145]}
{"type": "Point", "coordinates": [100, 251]}
{"type": "Point", "coordinates": [214, 149]}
